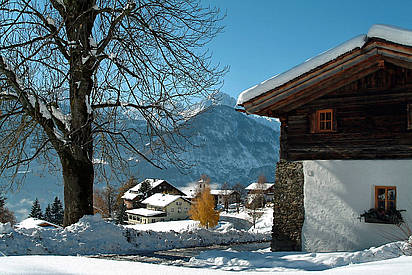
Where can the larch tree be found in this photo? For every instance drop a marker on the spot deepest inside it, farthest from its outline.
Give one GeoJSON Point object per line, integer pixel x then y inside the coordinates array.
{"type": "Point", "coordinates": [203, 209]}
{"type": "Point", "coordinates": [72, 72]}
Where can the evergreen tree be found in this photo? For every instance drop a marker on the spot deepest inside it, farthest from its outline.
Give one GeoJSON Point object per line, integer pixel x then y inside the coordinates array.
{"type": "Point", "coordinates": [47, 214]}
{"type": "Point", "coordinates": [144, 189]}
{"type": "Point", "coordinates": [121, 215]}
{"type": "Point", "coordinates": [5, 214]}
{"type": "Point", "coordinates": [57, 212]}
{"type": "Point", "coordinates": [36, 210]}
{"type": "Point", "coordinates": [203, 209]}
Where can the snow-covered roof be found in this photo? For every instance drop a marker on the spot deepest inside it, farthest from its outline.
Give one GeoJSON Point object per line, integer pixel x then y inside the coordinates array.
{"type": "Point", "coordinates": [33, 222]}
{"type": "Point", "coordinates": [255, 186]}
{"type": "Point", "coordinates": [385, 32]}
{"type": "Point", "coordinates": [161, 200]}
{"type": "Point", "coordinates": [145, 212]}
{"type": "Point", "coordinates": [129, 196]}
{"type": "Point", "coordinates": [221, 192]}
{"type": "Point", "coordinates": [133, 192]}
{"type": "Point", "coordinates": [153, 183]}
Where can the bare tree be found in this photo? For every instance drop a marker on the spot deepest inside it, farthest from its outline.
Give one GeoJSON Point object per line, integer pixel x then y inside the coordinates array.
{"type": "Point", "coordinates": [225, 195]}
{"type": "Point", "coordinates": [73, 71]}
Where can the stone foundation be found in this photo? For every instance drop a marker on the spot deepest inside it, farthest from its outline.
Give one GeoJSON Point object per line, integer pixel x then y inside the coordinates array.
{"type": "Point", "coordinates": [289, 212]}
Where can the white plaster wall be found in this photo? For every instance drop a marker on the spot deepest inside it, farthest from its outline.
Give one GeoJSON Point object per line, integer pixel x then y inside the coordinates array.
{"type": "Point", "coordinates": [336, 192]}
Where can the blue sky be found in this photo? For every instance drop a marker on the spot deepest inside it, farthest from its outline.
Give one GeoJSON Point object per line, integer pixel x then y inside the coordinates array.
{"type": "Point", "coordinates": [265, 37]}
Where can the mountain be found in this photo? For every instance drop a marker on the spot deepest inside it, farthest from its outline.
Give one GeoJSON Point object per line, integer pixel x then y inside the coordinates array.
{"type": "Point", "coordinates": [228, 146]}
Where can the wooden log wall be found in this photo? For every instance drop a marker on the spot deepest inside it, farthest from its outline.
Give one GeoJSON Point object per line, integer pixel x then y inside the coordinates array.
{"type": "Point", "coordinates": [371, 117]}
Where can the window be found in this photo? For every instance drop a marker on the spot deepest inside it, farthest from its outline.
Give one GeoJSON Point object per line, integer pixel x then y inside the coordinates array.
{"type": "Point", "coordinates": [385, 197]}
{"type": "Point", "coordinates": [323, 121]}
{"type": "Point", "coordinates": [172, 209]}
{"type": "Point", "coordinates": [409, 115]}
{"type": "Point", "coordinates": [179, 210]}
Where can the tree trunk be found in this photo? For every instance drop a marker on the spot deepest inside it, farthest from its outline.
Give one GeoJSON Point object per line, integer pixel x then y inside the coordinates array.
{"type": "Point", "coordinates": [78, 176]}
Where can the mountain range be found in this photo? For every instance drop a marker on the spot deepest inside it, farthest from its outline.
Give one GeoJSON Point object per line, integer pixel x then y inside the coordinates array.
{"type": "Point", "coordinates": [229, 147]}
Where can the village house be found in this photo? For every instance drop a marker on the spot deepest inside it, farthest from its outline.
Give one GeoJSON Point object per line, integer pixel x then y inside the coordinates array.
{"type": "Point", "coordinates": [132, 198]}
{"type": "Point", "coordinates": [344, 174]}
{"type": "Point", "coordinates": [265, 189]}
{"type": "Point", "coordinates": [160, 207]}
{"type": "Point", "coordinates": [225, 197]}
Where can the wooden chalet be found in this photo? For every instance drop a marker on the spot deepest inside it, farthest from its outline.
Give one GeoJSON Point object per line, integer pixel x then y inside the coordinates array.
{"type": "Point", "coordinates": [345, 144]}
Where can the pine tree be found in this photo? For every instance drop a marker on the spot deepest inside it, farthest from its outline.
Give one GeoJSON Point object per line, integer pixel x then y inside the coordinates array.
{"type": "Point", "coordinates": [121, 215]}
{"type": "Point", "coordinates": [203, 209]}
{"type": "Point", "coordinates": [5, 214]}
{"type": "Point", "coordinates": [144, 189]}
{"type": "Point", "coordinates": [47, 214]}
{"type": "Point", "coordinates": [36, 210]}
{"type": "Point", "coordinates": [57, 212]}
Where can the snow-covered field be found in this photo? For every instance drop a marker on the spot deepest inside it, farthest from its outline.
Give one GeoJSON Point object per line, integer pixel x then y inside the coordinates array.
{"type": "Point", "coordinates": [259, 262]}
{"type": "Point", "coordinates": [92, 235]}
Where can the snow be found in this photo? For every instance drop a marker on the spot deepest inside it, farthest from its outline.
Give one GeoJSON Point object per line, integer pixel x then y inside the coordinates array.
{"type": "Point", "coordinates": [89, 108]}
{"type": "Point", "coordinates": [177, 226]}
{"type": "Point", "coordinates": [161, 200]}
{"type": "Point", "coordinates": [92, 235]}
{"type": "Point", "coordinates": [305, 67]}
{"type": "Point", "coordinates": [145, 212]}
{"type": "Point", "coordinates": [217, 192]}
{"type": "Point", "coordinates": [50, 21]}
{"type": "Point", "coordinates": [34, 223]}
{"type": "Point", "coordinates": [389, 33]}
{"type": "Point", "coordinates": [264, 223]}
{"type": "Point", "coordinates": [129, 196]}
{"type": "Point", "coordinates": [5, 228]}
{"type": "Point", "coordinates": [255, 186]}
{"type": "Point", "coordinates": [217, 262]}
{"type": "Point", "coordinates": [153, 183]}
{"type": "Point", "coordinates": [84, 59]}
{"type": "Point", "coordinates": [265, 260]}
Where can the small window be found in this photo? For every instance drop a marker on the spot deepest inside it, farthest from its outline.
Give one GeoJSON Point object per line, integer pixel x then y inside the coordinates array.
{"type": "Point", "coordinates": [385, 197]}
{"type": "Point", "coordinates": [323, 121]}
{"type": "Point", "coordinates": [172, 209]}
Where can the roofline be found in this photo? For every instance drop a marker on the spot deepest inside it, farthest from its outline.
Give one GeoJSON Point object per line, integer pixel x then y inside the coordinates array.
{"type": "Point", "coordinates": [269, 103]}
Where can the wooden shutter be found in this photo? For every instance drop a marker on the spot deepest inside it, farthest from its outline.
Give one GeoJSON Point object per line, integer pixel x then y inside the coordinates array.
{"type": "Point", "coordinates": [409, 116]}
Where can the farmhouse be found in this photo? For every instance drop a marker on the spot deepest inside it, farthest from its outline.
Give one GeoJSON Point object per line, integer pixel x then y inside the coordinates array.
{"type": "Point", "coordinates": [266, 189]}
{"type": "Point", "coordinates": [346, 143]}
{"type": "Point", "coordinates": [132, 198]}
{"type": "Point", "coordinates": [160, 207]}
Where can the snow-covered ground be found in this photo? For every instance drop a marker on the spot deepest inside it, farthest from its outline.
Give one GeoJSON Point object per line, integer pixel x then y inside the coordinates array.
{"type": "Point", "coordinates": [92, 235]}
{"type": "Point", "coordinates": [259, 262]}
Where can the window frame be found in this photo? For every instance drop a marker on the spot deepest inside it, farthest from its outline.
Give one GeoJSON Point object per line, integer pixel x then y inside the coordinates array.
{"type": "Point", "coordinates": [319, 121]}
{"type": "Point", "coordinates": [386, 196]}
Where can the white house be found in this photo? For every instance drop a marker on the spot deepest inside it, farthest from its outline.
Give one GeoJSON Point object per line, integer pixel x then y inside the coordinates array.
{"type": "Point", "coordinates": [266, 189]}
{"type": "Point", "coordinates": [345, 169]}
{"type": "Point", "coordinates": [160, 207]}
